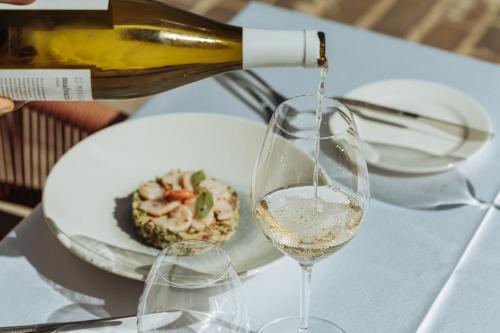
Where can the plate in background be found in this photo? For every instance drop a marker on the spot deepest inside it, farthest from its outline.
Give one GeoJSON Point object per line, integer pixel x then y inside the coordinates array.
{"type": "Point", "coordinates": [421, 149]}
{"type": "Point", "coordinates": [87, 195]}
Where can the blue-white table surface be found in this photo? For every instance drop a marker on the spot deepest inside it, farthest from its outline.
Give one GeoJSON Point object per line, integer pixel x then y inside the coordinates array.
{"type": "Point", "coordinates": [406, 271]}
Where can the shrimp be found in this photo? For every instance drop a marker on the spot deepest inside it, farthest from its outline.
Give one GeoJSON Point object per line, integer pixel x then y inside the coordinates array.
{"type": "Point", "coordinates": [151, 191]}
{"type": "Point", "coordinates": [219, 190]}
{"type": "Point", "coordinates": [223, 210]}
{"type": "Point", "coordinates": [179, 221]}
{"type": "Point", "coordinates": [158, 207]}
{"type": "Point", "coordinates": [171, 180]}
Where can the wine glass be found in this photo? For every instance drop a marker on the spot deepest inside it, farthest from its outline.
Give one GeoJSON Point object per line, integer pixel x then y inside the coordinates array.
{"type": "Point", "coordinates": [192, 287]}
{"type": "Point", "coordinates": [309, 210]}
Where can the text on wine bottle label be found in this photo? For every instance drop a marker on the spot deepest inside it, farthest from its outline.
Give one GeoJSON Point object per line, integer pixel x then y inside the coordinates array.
{"type": "Point", "coordinates": [61, 5]}
{"type": "Point", "coordinates": [46, 84]}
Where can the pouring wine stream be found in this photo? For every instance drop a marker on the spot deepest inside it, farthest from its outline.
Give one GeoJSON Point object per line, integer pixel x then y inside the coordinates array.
{"type": "Point", "coordinates": [319, 116]}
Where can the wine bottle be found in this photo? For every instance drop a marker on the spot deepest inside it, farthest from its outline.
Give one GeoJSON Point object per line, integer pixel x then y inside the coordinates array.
{"type": "Point", "coordinates": [132, 48]}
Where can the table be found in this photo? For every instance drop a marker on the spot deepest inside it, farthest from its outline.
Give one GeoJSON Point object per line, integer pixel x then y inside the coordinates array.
{"type": "Point", "coordinates": [406, 271]}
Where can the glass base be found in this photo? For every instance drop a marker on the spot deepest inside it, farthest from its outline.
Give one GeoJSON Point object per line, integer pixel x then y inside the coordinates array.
{"type": "Point", "coordinates": [292, 324]}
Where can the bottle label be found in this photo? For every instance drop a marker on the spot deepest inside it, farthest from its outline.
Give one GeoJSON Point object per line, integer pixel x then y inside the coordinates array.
{"type": "Point", "coordinates": [61, 5]}
{"type": "Point", "coordinates": [46, 84]}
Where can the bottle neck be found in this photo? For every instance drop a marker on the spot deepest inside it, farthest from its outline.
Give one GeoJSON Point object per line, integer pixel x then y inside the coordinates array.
{"type": "Point", "coordinates": [282, 48]}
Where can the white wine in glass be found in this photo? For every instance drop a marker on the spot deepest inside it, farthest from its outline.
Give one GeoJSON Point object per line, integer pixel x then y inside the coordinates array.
{"type": "Point", "coordinates": [307, 218]}
{"type": "Point", "coordinates": [304, 228]}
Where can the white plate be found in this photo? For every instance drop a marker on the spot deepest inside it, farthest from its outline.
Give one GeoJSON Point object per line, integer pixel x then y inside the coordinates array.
{"type": "Point", "coordinates": [87, 195]}
{"type": "Point", "coordinates": [422, 149]}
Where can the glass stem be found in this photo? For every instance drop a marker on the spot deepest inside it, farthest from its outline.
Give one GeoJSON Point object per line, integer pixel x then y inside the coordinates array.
{"type": "Point", "coordinates": [305, 297]}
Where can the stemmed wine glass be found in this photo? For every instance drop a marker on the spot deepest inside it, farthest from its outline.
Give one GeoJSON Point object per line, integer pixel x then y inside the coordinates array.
{"type": "Point", "coordinates": [192, 287]}
{"type": "Point", "coordinates": [309, 210]}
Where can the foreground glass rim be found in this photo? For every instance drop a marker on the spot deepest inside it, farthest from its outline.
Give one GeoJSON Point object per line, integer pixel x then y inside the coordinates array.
{"type": "Point", "coordinates": [343, 109]}
{"type": "Point", "coordinates": [312, 318]}
{"type": "Point", "coordinates": [212, 246]}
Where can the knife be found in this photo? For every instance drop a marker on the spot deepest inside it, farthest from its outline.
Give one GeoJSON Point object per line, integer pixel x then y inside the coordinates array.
{"type": "Point", "coordinates": [53, 327]}
{"type": "Point", "coordinates": [463, 131]}
{"type": "Point", "coordinates": [192, 316]}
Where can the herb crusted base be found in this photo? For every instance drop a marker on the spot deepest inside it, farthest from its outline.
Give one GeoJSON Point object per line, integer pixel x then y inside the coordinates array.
{"type": "Point", "coordinates": [159, 237]}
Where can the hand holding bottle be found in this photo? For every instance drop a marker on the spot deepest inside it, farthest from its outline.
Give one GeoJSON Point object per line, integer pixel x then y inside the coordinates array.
{"type": "Point", "coordinates": [132, 48]}
{"type": "Point", "coordinates": [6, 105]}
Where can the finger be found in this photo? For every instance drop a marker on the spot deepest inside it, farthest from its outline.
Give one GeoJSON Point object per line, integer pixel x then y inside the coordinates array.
{"type": "Point", "coordinates": [18, 105]}
{"type": "Point", "coordinates": [6, 105]}
{"type": "Point", "coordinates": [18, 2]}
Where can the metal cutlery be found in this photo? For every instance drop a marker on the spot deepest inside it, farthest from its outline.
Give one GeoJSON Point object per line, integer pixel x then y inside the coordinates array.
{"type": "Point", "coordinates": [266, 98]}
{"type": "Point", "coordinates": [53, 327]}
{"type": "Point", "coordinates": [458, 130]}
{"type": "Point", "coordinates": [248, 84]}
{"type": "Point", "coordinates": [190, 318]}
{"type": "Point", "coordinates": [261, 98]}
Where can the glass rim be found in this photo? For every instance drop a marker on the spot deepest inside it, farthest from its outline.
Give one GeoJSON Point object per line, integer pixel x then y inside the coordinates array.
{"type": "Point", "coordinates": [311, 318]}
{"type": "Point", "coordinates": [280, 107]}
{"type": "Point", "coordinates": [212, 282]}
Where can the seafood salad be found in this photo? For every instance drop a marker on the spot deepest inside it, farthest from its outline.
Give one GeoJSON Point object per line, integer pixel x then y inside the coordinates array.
{"type": "Point", "coordinates": [183, 205]}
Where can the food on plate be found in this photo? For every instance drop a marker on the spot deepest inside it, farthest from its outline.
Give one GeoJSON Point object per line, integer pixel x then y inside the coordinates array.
{"type": "Point", "coordinates": [184, 205]}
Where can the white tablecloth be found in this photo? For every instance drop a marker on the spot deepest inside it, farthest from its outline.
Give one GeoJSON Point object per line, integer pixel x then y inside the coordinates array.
{"type": "Point", "coordinates": [406, 271]}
